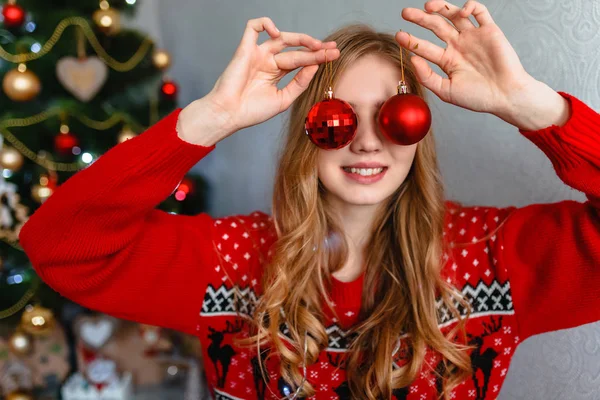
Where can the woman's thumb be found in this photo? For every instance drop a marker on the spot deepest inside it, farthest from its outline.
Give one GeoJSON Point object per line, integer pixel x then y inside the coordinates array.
{"type": "Point", "coordinates": [427, 77]}
{"type": "Point", "coordinates": [298, 84]}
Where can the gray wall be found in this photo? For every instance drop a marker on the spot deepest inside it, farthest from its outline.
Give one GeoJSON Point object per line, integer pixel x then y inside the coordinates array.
{"type": "Point", "coordinates": [484, 160]}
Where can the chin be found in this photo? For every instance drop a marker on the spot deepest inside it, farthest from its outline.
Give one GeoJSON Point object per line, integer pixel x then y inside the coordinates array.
{"type": "Point", "coordinates": [362, 199]}
{"type": "Point", "coordinates": [351, 194]}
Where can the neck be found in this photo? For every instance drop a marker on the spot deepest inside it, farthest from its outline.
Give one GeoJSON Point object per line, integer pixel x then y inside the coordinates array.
{"type": "Point", "coordinates": [356, 222]}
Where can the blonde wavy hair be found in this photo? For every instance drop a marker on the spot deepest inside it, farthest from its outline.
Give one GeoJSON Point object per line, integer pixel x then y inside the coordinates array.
{"type": "Point", "coordinates": [403, 259]}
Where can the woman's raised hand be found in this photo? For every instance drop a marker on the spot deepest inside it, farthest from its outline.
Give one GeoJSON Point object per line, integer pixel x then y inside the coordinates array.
{"type": "Point", "coordinates": [484, 71]}
{"type": "Point", "coordinates": [246, 93]}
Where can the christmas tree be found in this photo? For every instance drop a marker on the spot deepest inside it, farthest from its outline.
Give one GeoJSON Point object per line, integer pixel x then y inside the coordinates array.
{"type": "Point", "coordinates": [75, 82]}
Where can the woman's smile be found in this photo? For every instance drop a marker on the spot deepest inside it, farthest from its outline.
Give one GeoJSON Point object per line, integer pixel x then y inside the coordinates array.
{"type": "Point", "coordinates": [365, 175]}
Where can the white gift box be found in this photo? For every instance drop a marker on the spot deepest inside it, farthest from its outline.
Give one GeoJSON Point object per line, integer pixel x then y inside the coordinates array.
{"type": "Point", "coordinates": [78, 388]}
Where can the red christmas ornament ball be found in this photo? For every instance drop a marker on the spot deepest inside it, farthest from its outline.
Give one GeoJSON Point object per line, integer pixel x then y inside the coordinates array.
{"type": "Point", "coordinates": [64, 142]}
{"type": "Point", "coordinates": [405, 119]}
{"type": "Point", "coordinates": [331, 124]}
{"type": "Point", "coordinates": [14, 15]}
{"type": "Point", "coordinates": [186, 187]}
{"type": "Point", "coordinates": [169, 89]}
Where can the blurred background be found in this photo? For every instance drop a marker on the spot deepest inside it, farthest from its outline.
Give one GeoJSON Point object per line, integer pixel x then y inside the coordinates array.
{"type": "Point", "coordinates": [80, 76]}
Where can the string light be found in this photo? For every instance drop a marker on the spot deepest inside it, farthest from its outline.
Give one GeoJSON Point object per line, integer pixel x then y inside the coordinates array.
{"type": "Point", "coordinates": [180, 195]}
{"type": "Point", "coordinates": [87, 158]}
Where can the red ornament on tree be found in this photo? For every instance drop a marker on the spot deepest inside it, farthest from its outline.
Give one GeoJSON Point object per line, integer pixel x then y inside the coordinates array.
{"type": "Point", "coordinates": [65, 141]}
{"type": "Point", "coordinates": [169, 89]}
{"type": "Point", "coordinates": [331, 124]}
{"type": "Point", "coordinates": [14, 15]}
{"type": "Point", "coordinates": [186, 186]}
{"type": "Point", "coordinates": [405, 118]}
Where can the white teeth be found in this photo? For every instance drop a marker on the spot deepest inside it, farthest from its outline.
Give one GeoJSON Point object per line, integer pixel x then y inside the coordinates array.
{"type": "Point", "coordinates": [364, 171]}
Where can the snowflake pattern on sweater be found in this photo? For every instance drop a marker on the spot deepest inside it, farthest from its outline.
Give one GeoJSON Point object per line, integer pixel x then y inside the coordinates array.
{"type": "Point", "coordinates": [111, 250]}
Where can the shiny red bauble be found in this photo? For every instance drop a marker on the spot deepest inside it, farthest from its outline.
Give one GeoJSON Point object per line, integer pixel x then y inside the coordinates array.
{"type": "Point", "coordinates": [169, 89]}
{"type": "Point", "coordinates": [405, 119]}
{"type": "Point", "coordinates": [331, 124]}
{"type": "Point", "coordinates": [14, 15]}
{"type": "Point", "coordinates": [64, 143]}
{"type": "Point", "coordinates": [186, 186]}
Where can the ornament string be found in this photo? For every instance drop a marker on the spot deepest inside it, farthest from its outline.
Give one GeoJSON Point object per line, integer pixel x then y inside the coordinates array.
{"type": "Point", "coordinates": [81, 22]}
{"type": "Point", "coordinates": [402, 86]}
{"type": "Point", "coordinates": [80, 44]}
{"type": "Point", "coordinates": [328, 78]}
{"type": "Point", "coordinates": [402, 62]}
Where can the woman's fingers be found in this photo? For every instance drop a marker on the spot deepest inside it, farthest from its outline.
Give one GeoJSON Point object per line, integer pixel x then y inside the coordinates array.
{"type": "Point", "coordinates": [431, 80]}
{"type": "Point", "coordinates": [291, 60]}
{"type": "Point", "coordinates": [452, 12]}
{"type": "Point", "coordinates": [291, 39]}
{"type": "Point", "coordinates": [297, 85]}
{"type": "Point", "coordinates": [256, 26]}
{"type": "Point", "coordinates": [479, 11]}
{"type": "Point", "coordinates": [329, 45]}
{"type": "Point", "coordinates": [436, 23]}
{"type": "Point", "coordinates": [309, 61]}
{"type": "Point", "coordinates": [421, 47]}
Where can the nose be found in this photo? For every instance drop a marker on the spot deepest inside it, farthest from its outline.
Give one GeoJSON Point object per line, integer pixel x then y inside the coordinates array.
{"type": "Point", "coordinates": [368, 139]}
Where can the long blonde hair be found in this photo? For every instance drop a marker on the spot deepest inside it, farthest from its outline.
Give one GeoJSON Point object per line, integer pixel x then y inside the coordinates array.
{"type": "Point", "coordinates": [403, 261]}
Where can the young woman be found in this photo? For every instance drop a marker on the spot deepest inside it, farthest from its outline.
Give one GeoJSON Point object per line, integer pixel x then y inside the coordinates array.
{"type": "Point", "coordinates": [365, 282]}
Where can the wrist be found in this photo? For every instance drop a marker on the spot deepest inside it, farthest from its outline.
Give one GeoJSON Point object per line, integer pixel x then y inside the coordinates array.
{"type": "Point", "coordinates": [204, 123]}
{"type": "Point", "coordinates": [533, 105]}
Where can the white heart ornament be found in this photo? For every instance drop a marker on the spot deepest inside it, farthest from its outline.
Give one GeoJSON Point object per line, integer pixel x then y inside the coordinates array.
{"type": "Point", "coordinates": [96, 333]}
{"type": "Point", "coordinates": [82, 77]}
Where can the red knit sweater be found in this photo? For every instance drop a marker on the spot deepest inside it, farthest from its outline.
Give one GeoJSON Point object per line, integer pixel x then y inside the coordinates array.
{"type": "Point", "coordinates": [100, 241]}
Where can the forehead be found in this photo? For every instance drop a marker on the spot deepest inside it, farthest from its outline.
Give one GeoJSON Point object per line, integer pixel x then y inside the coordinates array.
{"type": "Point", "coordinates": [369, 80]}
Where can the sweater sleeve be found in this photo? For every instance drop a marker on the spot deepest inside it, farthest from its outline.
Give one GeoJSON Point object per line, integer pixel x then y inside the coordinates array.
{"type": "Point", "coordinates": [552, 251]}
{"type": "Point", "coordinates": [100, 241]}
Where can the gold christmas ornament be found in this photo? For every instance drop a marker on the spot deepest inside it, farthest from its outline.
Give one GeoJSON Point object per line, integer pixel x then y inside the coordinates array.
{"type": "Point", "coordinates": [44, 190]}
{"type": "Point", "coordinates": [41, 193]}
{"type": "Point", "coordinates": [126, 134]}
{"type": "Point", "coordinates": [10, 158]}
{"type": "Point", "coordinates": [161, 59]}
{"type": "Point", "coordinates": [19, 396]}
{"type": "Point", "coordinates": [37, 320]}
{"type": "Point", "coordinates": [20, 84]}
{"type": "Point", "coordinates": [108, 20]}
{"type": "Point", "coordinates": [20, 343]}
